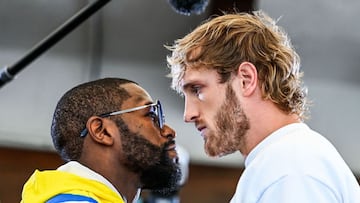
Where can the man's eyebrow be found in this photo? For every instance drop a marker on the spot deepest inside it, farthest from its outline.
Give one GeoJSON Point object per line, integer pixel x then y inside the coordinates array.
{"type": "Point", "coordinates": [187, 86]}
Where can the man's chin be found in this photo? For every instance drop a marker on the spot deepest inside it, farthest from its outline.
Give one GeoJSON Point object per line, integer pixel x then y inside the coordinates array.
{"type": "Point", "coordinates": [163, 177]}
{"type": "Point", "coordinates": [217, 153]}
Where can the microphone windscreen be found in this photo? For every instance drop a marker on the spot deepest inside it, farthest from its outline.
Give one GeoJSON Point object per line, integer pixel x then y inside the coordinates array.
{"type": "Point", "coordinates": [187, 7]}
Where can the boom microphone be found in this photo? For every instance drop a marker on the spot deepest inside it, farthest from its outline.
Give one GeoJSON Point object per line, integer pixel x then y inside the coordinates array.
{"type": "Point", "coordinates": [8, 72]}
{"type": "Point", "coordinates": [187, 7]}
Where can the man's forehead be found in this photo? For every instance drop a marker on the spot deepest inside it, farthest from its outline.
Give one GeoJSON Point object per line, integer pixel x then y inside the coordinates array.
{"type": "Point", "coordinates": [196, 75]}
{"type": "Point", "coordinates": [137, 94]}
{"type": "Point", "coordinates": [133, 88]}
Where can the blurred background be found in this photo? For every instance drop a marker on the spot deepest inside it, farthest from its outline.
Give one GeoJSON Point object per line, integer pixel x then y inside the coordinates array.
{"type": "Point", "coordinates": [126, 39]}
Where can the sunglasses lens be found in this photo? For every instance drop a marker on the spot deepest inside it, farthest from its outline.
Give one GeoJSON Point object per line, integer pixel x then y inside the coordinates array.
{"type": "Point", "coordinates": [161, 116]}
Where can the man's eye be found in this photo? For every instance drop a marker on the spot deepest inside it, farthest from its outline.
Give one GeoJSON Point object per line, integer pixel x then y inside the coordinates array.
{"type": "Point", "coordinates": [195, 89]}
{"type": "Point", "coordinates": [152, 115]}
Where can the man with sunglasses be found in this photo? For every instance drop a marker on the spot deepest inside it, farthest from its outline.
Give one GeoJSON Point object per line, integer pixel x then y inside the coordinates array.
{"type": "Point", "coordinates": [114, 140]}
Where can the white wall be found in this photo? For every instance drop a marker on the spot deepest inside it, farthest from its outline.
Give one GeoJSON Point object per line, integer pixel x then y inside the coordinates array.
{"type": "Point", "coordinates": [335, 114]}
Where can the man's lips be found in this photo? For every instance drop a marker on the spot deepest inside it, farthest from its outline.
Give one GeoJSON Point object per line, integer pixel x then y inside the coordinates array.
{"type": "Point", "coordinates": [171, 149]}
{"type": "Point", "coordinates": [202, 129]}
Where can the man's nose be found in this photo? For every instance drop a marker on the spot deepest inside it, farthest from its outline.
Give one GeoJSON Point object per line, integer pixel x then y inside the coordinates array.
{"type": "Point", "coordinates": [190, 112]}
{"type": "Point", "coordinates": [168, 132]}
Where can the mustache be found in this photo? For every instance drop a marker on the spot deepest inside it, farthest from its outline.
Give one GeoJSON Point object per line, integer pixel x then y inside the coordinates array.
{"type": "Point", "coordinates": [167, 144]}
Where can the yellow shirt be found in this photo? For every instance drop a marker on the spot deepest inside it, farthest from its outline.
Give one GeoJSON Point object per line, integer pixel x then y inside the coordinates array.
{"type": "Point", "coordinates": [44, 185]}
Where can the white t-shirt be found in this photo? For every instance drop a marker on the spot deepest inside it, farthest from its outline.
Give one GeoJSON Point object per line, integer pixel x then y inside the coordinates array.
{"type": "Point", "coordinates": [296, 165]}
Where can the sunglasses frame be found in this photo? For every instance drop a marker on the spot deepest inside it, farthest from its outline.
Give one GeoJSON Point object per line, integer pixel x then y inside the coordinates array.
{"type": "Point", "coordinates": [158, 111]}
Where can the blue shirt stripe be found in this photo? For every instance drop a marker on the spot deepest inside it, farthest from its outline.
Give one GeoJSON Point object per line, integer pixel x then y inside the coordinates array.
{"type": "Point", "coordinates": [70, 198]}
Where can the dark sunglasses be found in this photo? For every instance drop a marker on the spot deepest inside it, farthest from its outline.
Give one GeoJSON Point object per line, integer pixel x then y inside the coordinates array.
{"type": "Point", "coordinates": [156, 110]}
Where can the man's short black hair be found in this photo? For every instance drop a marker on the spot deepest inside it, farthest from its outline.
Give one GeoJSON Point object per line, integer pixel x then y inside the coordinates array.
{"type": "Point", "coordinates": [77, 105]}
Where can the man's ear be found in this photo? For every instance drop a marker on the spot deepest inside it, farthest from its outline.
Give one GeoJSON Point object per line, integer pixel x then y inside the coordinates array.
{"type": "Point", "coordinates": [98, 130]}
{"type": "Point", "coordinates": [247, 74]}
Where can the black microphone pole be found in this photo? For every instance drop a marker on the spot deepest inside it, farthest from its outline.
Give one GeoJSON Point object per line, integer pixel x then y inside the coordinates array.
{"type": "Point", "coordinates": [8, 72]}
